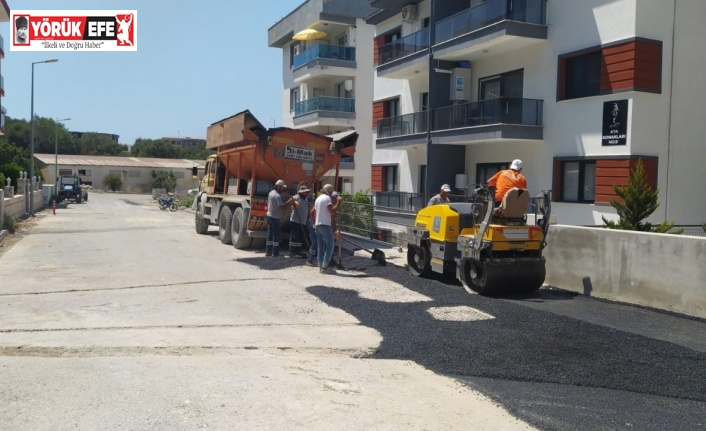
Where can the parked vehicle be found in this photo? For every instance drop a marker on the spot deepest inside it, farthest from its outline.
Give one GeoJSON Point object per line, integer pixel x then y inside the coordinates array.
{"type": "Point", "coordinates": [70, 189]}
{"type": "Point", "coordinates": [165, 202]}
{"type": "Point", "coordinates": [249, 159]}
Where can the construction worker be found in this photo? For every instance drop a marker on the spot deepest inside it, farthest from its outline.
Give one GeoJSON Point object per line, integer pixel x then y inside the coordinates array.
{"type": "Point", "coordinates": [506, 179]}
{"type": "Point", "coordinates": [322, 214]}
{"type": "Point", "coordinates": [276, 205]}
{"type": "Point", "coordinates": [442, 197]}
{"type": "Point", "coordinates": [298, 219]}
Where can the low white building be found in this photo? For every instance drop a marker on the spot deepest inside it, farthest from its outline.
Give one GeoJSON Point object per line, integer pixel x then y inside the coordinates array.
{"type": "Point", "coordinates": [135, 172]}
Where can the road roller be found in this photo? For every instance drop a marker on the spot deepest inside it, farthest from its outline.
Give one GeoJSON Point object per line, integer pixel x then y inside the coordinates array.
{"type": "Point", "coordinates": [492, 250]}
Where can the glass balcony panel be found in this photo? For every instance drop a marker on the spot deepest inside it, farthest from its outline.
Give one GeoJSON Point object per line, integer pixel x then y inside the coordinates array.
{"type": "Point", "coordinates": [321, 50]}
{"type": "Point", "coordinates": [489, 12]}
{"type": "Point", "coordinates": [402, 125]}
{"type": "Point", "coordinates": [399, 200]}
{"type": "Point", "coordinates": [336, 104]}
{"type": "Point", "coordinates": [526, 112]}
{"type": "Point", "coordinates": [403, 47]}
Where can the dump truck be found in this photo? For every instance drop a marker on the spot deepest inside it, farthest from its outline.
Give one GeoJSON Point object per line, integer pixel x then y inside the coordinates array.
{"type": "Point", "coordinates": [70, 188]}
{"type": "Point", "coordinates": [493, 251]}
{"type": "Point", "coordinates": [249, 159]}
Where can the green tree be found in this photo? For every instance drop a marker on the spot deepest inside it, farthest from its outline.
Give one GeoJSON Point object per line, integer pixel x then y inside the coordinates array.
{"type": "Point", "coordinates": [639, 201]}
{"type": "Point", "coordinates": [196, 153]}
{"type": "Point", "coordinates": [113, 182]}
{"type": "Point", "coordinates": [156, 148]}
{"type": "Point", "coordinates": [163, 180]}
{"type": "Point", "coordinates": [98, 144]}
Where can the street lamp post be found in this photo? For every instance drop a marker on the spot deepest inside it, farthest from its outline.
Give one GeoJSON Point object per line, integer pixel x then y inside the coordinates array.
{"type": "Point", "coordinates": [56, 151]}
{"type": "Point", "coordinates": [31, 140]}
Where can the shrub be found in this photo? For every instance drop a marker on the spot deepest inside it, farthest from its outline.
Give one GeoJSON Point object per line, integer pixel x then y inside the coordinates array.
{"type": "Point", "coordinates": [113, 182]}
{"type": "Point", "coordinates": [163, 180]}
{"type": "Point", "coordinates": [10, 223]}
{"type": "Point", "coordinates": [639, 202]}
{"type": "Point", "coordinates": [2, 180]}
{"type": "Point", "coordinates": [356, 214]}
{"type": "Point", "coordinates": [186, 202]}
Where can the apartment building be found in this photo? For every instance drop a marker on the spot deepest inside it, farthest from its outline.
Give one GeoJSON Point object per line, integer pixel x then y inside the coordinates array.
{"type": "Point", "coordinates": [4, 17]}
{"type": "Point", "coordinates": [580, 90]}
{"type": "Point", "coordinates": [327, 76]}
{"type": "Point", "coordinates": [184, 142]}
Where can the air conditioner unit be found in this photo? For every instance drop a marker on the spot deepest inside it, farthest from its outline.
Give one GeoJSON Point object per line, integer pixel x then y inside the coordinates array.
{"type": "Point", "coordinates": [409, 13]}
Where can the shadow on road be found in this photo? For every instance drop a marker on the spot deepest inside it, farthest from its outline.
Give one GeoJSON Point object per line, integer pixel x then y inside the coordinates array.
{"type": "Point", "coordinates": [542, 366]}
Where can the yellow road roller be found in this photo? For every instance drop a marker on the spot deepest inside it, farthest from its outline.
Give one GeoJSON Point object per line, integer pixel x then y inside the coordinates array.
{"type": "Point", "coordinates": [493, 251]}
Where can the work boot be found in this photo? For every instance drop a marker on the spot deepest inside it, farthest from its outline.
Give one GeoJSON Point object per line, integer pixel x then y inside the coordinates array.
{"type": "Point", "coordinates": [268, 250]}
{"type": "Point", "coordinates": [275, 251]}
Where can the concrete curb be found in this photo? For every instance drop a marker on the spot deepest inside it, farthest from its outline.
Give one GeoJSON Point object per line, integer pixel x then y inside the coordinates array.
{"type": "Point", "coordinates": [3, 234]}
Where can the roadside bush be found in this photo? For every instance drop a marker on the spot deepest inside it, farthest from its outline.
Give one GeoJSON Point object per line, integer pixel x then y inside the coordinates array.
{"type": "Point", "coordinates": [113, 182]}
{"type": "Point", "coordinates": [2, 180]}
{"type": "Point", "coordinates": [10, 223]}
{"type": "Point", "coordinates": [356, 214]}
{"type": "Point", "coordinates": [186, 202]}
{"type": "Point", "coordinates": [163, 180]}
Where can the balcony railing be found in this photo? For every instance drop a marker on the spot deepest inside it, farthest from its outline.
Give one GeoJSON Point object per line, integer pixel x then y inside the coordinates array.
{"type": "Point", "coordinates": [494, 111]}
{"type": "Point", "coordinates": [336, 104]}
{"type": "Point", "coordinates": [489, 12]}
{"type": "Point", "coordinates": [324, 51]}
{"type": "Point", "coordinates": [2, 43]}
{"type": "Point", "coordinates": [403, 125]}
{"type": "Point", "coordinates": [399, 200]}
{"type": "Point", "coordinates": [409, 44]}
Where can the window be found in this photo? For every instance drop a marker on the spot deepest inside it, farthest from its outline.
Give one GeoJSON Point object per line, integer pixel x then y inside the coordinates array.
{"type": "Point", "coordinates": [293, 98]}
{"type": "Point", "coordinates": [578, 181]}
{"type": "Point", "coordinates": [391, 108]}
{"type": "Point", "coordinates": [582, 75]}
{"type": "Point", "coordinates": [65, 172]}
{"type": "Point", "coordinates": [423, 101]}
{"type": "Point", "coordinates": [84, 172]}
{"type": "Point", "coordinates": [390, 176]}
{"type": "Point", "coordinates": [319, 92]}
{"type": "Point", "coordinates": [294, 50]}
{"type": "Point", "coordinates": [342, 40]}
{"type": "Point", "coordinates": [505, 85]}
{"type": "Point", "coordinates": [486, 170]}
{"type": "Point", "coordinates": [342, 92]}
{"type": "Point", "coordinates": [134, 174]}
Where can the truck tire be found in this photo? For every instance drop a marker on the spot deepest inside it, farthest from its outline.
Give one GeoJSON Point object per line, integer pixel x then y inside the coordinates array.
{"type": "Point", "coordinates": [225, 220]}
{"type": "Point", "coordinates": [239, 235]}
{"type": "Point", "coordinates": [200, 222]}
{"type": "Point", "coordinates": [78, 198]}
{"type": "Point", "coordinates": [85, 197]}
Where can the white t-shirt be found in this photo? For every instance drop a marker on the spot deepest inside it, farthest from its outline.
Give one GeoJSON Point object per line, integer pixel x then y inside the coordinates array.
{"type": "Point", "coordinates": [323, 215]}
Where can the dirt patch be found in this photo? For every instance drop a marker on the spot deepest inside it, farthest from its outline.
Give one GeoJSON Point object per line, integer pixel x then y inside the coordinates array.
{"type": "Point", "coordinates": [23, 227]}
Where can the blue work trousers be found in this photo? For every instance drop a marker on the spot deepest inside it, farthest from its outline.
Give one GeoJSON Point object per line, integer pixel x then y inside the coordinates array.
{"type": "Point", "coordinates": [325, 242]}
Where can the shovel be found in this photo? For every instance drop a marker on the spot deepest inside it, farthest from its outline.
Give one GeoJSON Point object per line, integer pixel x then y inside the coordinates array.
{"type": "Point", "coordinates": [377, 255]}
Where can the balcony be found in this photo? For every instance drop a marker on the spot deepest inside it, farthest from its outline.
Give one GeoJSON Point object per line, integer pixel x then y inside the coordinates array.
{"type": "Point", "coordinates": [324, 60]}
{"type": "Point", "coordinates": [495, 119]}
{"type": "Point", "coordinates": [399, 59]}
{"type": "Point", "coordinates": [503, 25]}
{"type": "Point", "coordinates": [404, 130]}
{"type": "Point", "coordinates": [324, 111]}
{"type": "Point", "coordinates": [2, 47]}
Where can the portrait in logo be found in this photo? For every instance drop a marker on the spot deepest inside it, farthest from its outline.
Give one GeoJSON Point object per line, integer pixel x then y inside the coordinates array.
{"type": "Point", "coordinates": [21, 30]}
{"type": "Point", "coordinates": [125, 33]}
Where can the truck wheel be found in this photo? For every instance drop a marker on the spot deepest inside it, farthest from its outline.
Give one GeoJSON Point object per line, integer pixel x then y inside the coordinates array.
{"type": "Point", "coordinates": [201, 223]}
{"type": "Point", "coordinates": [78, 199]}
{"type": "Point", "coordinates": [224, 225]}
{"type": "Point", "coordinates": [85, 197]}
{"type": "Point", "coordinates": [419, 260]}
{"type": "Point", "coordinates": [238, 234]}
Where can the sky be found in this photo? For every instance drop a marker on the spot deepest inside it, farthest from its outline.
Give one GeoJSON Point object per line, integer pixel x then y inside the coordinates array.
{"type": "Point", "coordinates": [197, 62]}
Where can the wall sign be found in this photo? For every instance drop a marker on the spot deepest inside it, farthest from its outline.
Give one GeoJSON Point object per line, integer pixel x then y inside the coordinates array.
{"type": "Point", "coordinates": [615, 123]}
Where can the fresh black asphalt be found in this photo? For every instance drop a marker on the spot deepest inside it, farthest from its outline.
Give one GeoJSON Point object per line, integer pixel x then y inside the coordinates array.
{"type": "Point", "coordinates": [553, 371]}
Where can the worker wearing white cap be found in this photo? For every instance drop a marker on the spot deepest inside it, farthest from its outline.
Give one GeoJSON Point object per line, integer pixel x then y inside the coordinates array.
{"type": "Point", "coordinates": [507, 179]}
{"type": "Point", "coordinates": [442, 197]}
{"type": "Point", "coordinates": [276, 206]}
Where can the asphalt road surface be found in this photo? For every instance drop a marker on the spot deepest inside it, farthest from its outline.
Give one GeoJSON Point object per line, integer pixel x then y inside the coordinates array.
{"type": "Point", "coordinates": [116, 315]}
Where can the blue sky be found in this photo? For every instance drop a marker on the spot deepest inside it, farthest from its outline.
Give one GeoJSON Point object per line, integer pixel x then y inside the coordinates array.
{"type": "Point", "coordinates": [197, 62]}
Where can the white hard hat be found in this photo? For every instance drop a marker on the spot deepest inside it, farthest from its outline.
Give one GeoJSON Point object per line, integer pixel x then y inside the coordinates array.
{"type": "Point", "coordinates": [516, 165]}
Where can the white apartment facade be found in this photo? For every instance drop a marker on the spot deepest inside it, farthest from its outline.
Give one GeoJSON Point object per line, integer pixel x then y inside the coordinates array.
{"type": "Point", "coordinates": [4, 17]}
{"type": "Point", "coordinates": [578, 89]}
{"type": "Point", "coordinates": [327, 80]}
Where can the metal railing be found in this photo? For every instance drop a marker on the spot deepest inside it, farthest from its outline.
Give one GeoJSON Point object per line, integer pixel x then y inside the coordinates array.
{"type": "Point", "coordinates": [493, 111]}
{"type": "Point", "coordinates": [399, 200]}
{"type": "Point", "coordinates": [321, 50]}
{"type": "Point", "coordinates": [337, 104]}
{"type": "Point", "coordinates": [402, 125]}
{"type": "Point", "coordinates": [403, 47]}
{"type": "Point", "coordinates": [489, 12]}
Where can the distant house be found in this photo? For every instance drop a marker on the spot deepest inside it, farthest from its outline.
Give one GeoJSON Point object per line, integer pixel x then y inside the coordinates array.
{"type": "Point", "coordinates": [134, 171]}
{"type": "Point", "coordinates": [113, 137]}
{"type": "Point", "coordinates": [185, 142]}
